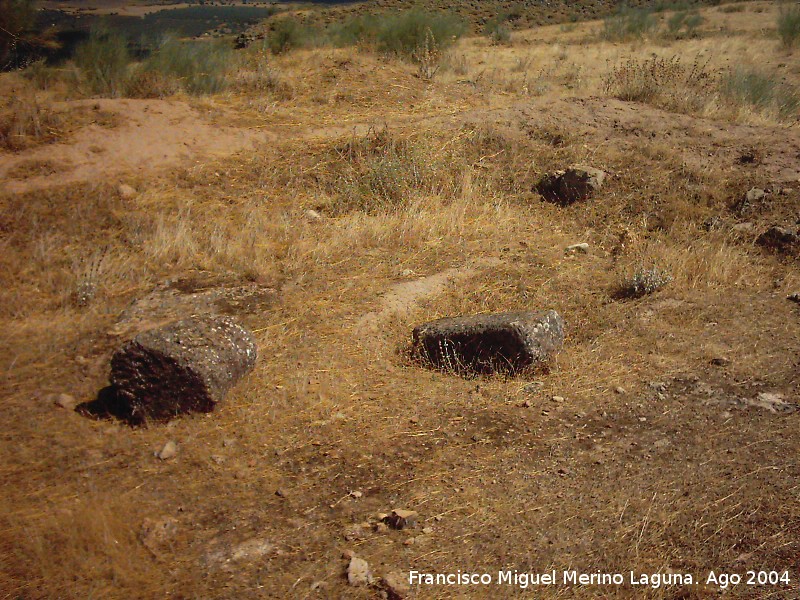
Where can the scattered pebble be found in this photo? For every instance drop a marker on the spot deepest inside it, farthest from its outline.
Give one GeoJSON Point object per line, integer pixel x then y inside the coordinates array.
{"type": "Point", "coordinates": [533, 387]}
{"type": "Point", "coordinates": [427, 530]}
{"type": "Point", "coordinates": [794, 297]}
{"type": "Point", "coordinates": [313, 215]}
{"type": "Point", "coordinates": [65, 401]}
{"type": "Point", "coordinates": [557, 399]}
{"type": "Point", "coordinates": [126, 191]}
{"type": "Point", "coordinates": [280, 493]}
{"type": "Point", "coordinates": [582, 248]}
{"type": "Point", "coordinates": [356, 494]}
{"type": "Point", "coordinates": [396, 585]}
{"type": "Point", "coordinates": [358, 572]}
{"type": "Point", "coordinates": [619, 390]}
{"type": "Point", "coordinates": [381, 528]}
{"type": "Point", "coordinates": [401, 519]}
{"type": "Point", "coordinates": [169, 450]}
{"type": "Point", "coordinates": [156, 534]}
{"type": "Point", "coordinates": [720, 361]}
{"type": "Point", "coordinates": [348, 554]}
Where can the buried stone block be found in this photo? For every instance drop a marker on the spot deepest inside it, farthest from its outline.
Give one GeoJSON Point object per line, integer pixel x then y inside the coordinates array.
{"type": "Point", "coordinates": [501, 342]}
{"type": "Point", "coordinates": [576, 183]}
{"type": "Point", "coordinates": [186, 366]}
{"type": "Point", "coordinates": [781, 239]}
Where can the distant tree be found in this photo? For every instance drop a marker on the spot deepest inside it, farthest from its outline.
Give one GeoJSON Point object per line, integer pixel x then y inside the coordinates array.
{"type": "Point", "coordinates": [19, 37]}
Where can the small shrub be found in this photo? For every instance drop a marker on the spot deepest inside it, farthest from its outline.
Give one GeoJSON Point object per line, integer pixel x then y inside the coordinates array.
{"type": "Point", "coordinates": [403, 33]}
{"type": "Point", "coordinates": [40, 75]}
{"type": "Point", "coordinates": [287, 34]}
{"type": "Point", "coordinates": [643, 281]}
{"type": "Point", "coordinates": [748, 86]}
{"type": "Point", "coordinates": [629, 23]}
{"type": "Point", "coordinates": [197, 67]}
{"type": "Point", "coordinates": [427, 57]}
{"type": "Point", "coordinates": [358, 30]}
{"type": "Point", "coordinates": [683, 24]}
{"type": "Point", "coordinates": [497, 31]}
{"type": "Point", "coordinates": [103, 62]}
{"type": "Point", "coordinates": [26, 123]}
{"type": "Point", "coordinates": [789, 25]}
{"type": "Point", "coordinates": [664, 82]}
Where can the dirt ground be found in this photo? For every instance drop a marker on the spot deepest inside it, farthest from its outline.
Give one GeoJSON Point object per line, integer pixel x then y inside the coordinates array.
{"type": "Point", "coordinates": [661, 440]}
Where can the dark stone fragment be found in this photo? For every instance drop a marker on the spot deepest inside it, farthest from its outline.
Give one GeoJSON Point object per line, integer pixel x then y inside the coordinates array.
{"type": "Point", "coordinates": [186, 366]}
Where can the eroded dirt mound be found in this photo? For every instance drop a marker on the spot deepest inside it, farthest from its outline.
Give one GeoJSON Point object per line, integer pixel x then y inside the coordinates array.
{"type": "Point", "coordinates": [147, 134]}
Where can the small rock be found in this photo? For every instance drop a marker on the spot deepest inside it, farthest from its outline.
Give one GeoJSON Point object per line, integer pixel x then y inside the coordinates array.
{"type": "Point", "coordinates": [743, 227]}
{"type": "Point", "coordinates": [280, 493]}
{"type": "Point", "coordinates": [662, 443]}
{"type": "Point", "coordinates": [396, 585]}
{"type": "Point", "coordinates": [407, 273]}
{"type": "Point", "coordinates": [410, 542]}
{"type": "Point", "coordinates": [126, 192]}
{"type": "Point", "coordinates": [402, 519]}
{"type": "Point", "coordinates": [533, 387]}
{"type": "Point", "coordinates": [252, 549]}
{"type": "Point", "coordinates": [773, 402]}
{"type": "Point", "coordinates": [356, 494]}
{"type": "Point", "coordinates": [754, 195]}
{"type": "Point", "coordinates": [358, 572]}
{"type": "Point", "coordinates": [169, 450]}
{"type": "Point", "coordinates": [427, 530]}
{"type": "Point", "coordinates": [780, 239]}
{"type": "Point", "coordinates": [726, 415]}
{"type": "Point", "coordinates": [720, 361]}
{"type": "Point", "coordinates": [414, 420]}
{"type": "Point", "coordinates": [156, 534]}
{"type": "Point", "coordinates": [313, 215]}
{"type": "Point", "coordinates": [381, 528]}
{"type": "Point", "coordinates": [228, 442]}
{"type": "Point", "coordinates": [619, 390]}
{"type": "Point", "coordinates": [794, 297]}
{"type": "Point", "coordinates": [217, 458]}
{"type": "Point", "coordinates": [527, 404]}
{"type": "Point", "coordinates": [348, 554]}
{"type": "Point", "coordinates": [557, 399]}
{"type": "Point", "coordinates": [65, 401]}
{"type": "Point", "coordinates": [574, 248]}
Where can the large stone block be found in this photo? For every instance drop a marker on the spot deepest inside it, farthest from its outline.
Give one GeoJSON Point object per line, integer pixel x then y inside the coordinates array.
{"type": "Point", "coordinates": [186, 366]}
{"type": "Point", "coordinates": [501, 342]}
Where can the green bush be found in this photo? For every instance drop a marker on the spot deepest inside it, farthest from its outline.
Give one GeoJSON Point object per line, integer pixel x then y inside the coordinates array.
{"type": "Point", "coordinates": [197, 67]}
{"type": "Point", "coordinates": [762, 91]}
{"type": "Point", "coordinates": [789, 25]}
{"type": "Point", "coordinates": [629, 23]}
{"type": "Point", "coordinates": [103, 62]}
{"type": "Point", "coordinates": [497, 31]}
{"type": "Point", "coordinates": [683, 24]}
{"type": "Point", "coordinates": [403, 33]}
{"type": "Point", "coordinates": [358, 30]}
{"type": "Point", "coordinates": [288, 34]}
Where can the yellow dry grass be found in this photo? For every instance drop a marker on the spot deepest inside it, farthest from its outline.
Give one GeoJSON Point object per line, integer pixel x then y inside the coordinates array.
{"type": "Point", "coordinates": [413, 178]}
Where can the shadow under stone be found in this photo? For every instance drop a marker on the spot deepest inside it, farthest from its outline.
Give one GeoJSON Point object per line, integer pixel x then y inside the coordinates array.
{"type": "Point", "coordinates": [109, 405]}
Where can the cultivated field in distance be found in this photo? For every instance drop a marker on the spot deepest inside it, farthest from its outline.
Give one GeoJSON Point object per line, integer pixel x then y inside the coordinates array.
{"type": "Point", "coordinates": [331, 176]}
